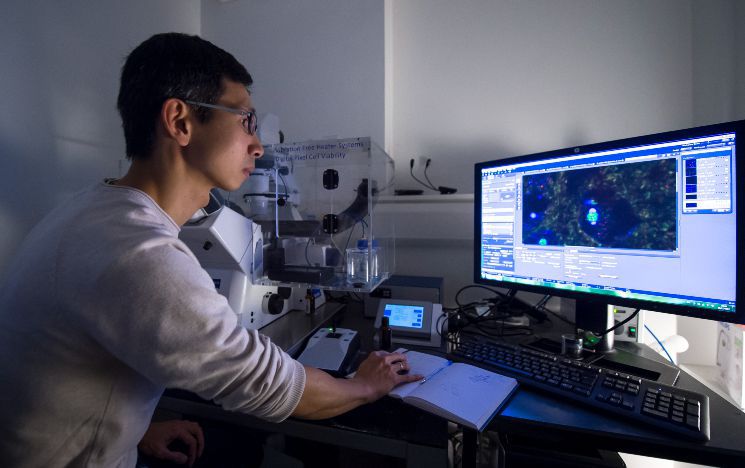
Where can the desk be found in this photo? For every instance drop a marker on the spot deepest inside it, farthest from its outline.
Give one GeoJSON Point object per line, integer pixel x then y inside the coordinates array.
{"type": "Point", "coordinates": [531, 412]}
{"type": "Point", "coordinates": [389, 427]}
{"type": "Point", "coordinates": [534, 413]}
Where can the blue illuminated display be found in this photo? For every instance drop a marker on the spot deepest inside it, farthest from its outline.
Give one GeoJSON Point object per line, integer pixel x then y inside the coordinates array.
{"type": "Point", "coordinates": [401, 315]}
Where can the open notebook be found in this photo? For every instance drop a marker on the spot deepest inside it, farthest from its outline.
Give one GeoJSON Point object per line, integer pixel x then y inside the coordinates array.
{"type": "Point", "coordinates": [459, 392]}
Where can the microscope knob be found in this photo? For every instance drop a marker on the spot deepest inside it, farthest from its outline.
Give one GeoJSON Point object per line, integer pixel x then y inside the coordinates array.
{"type": "Point", "coordinates": [273, 303]}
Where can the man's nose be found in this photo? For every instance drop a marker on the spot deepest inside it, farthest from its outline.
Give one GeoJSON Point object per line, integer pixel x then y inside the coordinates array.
{"type": "Point", "coordinates": [256, 148]}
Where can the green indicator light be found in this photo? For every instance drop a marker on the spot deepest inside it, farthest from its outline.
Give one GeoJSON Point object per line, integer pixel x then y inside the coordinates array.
{"type": "Point", "coordinates": [632, 329]}
{"type": "Point", "coordinates": [591, 339]}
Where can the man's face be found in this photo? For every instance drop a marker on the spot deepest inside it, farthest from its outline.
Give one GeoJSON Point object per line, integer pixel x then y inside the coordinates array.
{"type": "Point", "coordinates": [220, 149]}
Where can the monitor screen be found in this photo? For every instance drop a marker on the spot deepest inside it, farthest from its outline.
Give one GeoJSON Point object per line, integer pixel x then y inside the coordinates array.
{"type": "Point", "coordinates": [648, 222]}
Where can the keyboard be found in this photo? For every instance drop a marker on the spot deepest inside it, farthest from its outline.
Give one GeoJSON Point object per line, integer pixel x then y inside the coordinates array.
{"type": "Point", "coordinates": [668, 408]}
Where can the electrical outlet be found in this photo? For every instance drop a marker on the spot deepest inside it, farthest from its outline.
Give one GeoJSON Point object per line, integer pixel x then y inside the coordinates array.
{"type": "Point", "coordinates": [631, 331]}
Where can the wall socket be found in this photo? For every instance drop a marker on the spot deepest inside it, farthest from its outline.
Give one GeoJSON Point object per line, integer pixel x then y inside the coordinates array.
{"type": "Point", "coordinates": [631, 331]}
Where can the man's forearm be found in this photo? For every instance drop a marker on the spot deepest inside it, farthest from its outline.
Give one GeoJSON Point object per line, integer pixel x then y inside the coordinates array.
{"type": "Point", "coordinates": [325, 396]}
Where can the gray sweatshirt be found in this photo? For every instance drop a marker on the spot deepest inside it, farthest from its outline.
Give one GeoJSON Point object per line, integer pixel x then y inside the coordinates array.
{"type": "Point", "coordinates": [102, 308]}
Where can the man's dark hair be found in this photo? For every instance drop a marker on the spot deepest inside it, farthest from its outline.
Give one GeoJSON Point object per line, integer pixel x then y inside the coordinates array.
{"type": "Point", "coordinates": [170, 65]}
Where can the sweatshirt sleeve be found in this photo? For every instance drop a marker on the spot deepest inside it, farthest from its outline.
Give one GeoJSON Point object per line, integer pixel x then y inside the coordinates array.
{"type": "Point", "coordinates": [157, 310]}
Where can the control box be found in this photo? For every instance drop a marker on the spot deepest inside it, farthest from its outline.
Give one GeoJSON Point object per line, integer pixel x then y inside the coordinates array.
{"type": "Point", "coordinates": [412, 322]}
{"type": "Point", "coordinates": [631, 331]}
{"type": "Point", "coordinates": [414, 288]}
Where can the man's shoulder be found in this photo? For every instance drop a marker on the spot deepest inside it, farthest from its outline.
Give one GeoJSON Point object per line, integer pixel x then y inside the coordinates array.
{"type": "Point", "coordinates": [125, 208]}
{"type": "Point", "coordinates": [110, 222]}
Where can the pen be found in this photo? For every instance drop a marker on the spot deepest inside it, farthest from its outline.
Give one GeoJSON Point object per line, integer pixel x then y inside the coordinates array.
{"type": "Point", "coordinates": [434, 373]}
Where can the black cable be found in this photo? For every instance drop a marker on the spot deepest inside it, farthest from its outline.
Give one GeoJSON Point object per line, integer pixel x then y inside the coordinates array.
{"type": "Point", "coordinates": [543, 301]}
{"type": "Point", "coordinates": [284, 184]}
{"type": "Point", "coordinates": [344, 298]}
{"type": "Point", "coordinates": [487, 325]}
{"type": "Point", "coordinates": [307, 244]}
{"type": "Point", "coordinates": [506, 302]}
{"type": "Point", "coordinates": [411, 171]}
{"type": "Point", "coordinates": [528, 332]}
{"type": "Point", "coordinates": [441, 189]}
{"type": "Point", "coordinates": [541, 307]}
{"type": "Point", "coordinates": [349, 237]}
{"type": "Point", "coordinates": [628, 319]}
{"type": "Point", "coordinates": [497, 293]}
{"type": "Point", "coordinates": [426, 166]}
{"type": "Point", "coordinates": [505, 330]}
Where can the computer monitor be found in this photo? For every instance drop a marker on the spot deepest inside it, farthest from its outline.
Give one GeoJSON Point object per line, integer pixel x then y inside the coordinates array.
{"type": "Point", "coordinates": [647, 222]}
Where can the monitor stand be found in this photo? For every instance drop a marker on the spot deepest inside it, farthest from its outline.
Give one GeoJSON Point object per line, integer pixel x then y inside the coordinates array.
{"type": "Point", "coordinates": [596, 316]}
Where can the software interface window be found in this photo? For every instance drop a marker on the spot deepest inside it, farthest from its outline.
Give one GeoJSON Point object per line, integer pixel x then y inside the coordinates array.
{"type": "Point", "coordinates": [653, 222]}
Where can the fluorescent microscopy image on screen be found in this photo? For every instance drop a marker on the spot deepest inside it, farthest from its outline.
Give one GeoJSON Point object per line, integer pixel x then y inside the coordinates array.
{"type": "Point", "coordinates": [628, 206]}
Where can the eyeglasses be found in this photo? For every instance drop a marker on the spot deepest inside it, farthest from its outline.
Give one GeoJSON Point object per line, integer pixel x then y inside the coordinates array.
{"type": "Point", "coordinates": [249, 121]}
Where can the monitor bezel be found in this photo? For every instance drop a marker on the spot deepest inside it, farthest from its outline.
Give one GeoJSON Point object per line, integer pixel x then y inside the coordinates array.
{"type": "Point", "coordinates": [737, 127]}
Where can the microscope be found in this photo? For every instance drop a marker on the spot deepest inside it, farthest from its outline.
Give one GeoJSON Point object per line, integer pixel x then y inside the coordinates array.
{"type": "Point", "coordinates": [285, 234]}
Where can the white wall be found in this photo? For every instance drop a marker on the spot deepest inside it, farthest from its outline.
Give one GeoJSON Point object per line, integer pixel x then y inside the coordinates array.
{"type": "Point", "coordinates": [715, 67]}
{"type": "Point", "coordinates": [59, 128]}
{"type": "Point", "coordinates": [739, 39]}
{"type": "Point", "coordinates": [478, 80]}
{"type": "Point", "coordinates": [318, 66]}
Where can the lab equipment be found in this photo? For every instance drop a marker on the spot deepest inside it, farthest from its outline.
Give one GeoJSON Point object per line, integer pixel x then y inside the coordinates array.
{"type": "Point", "coordinates": [412, 322]}
{"type": "Point", "coordinates": [332, 350]}
{"type": "Point", "coordinates": [571, 345]}
{"type": "Point", "coordinates": [412, 288]}
{"type": "Point", "coordinates": [286, 229]}
{"type": "Point", "coordinates": [229, 247]}
{"type": "Point", "coordinates": [386, 334]}
{"type": "Point", "coordinates": [363, 262]}
{"type": "Point", "coordinates": [314, 200]}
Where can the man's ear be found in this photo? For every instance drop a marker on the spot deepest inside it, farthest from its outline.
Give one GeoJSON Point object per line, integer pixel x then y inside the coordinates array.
{"type": "Point", "coordinates": [174, 119]}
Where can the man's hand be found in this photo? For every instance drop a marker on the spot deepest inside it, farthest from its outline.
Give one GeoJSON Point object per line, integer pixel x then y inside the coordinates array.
{"type": "Point", "coordinates": [325, 396]}
{"type": "Point", "coordinates": [381, 371]}
{"type": "Point", "coordinates": [160, 435]}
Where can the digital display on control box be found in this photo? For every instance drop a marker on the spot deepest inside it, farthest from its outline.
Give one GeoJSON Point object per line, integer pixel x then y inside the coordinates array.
{"type": "Point", "coordinates": [403, 315]}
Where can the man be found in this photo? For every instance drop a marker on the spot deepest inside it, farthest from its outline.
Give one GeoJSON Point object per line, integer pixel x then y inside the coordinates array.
{"type": "Point", "coordinates": [105, 307]}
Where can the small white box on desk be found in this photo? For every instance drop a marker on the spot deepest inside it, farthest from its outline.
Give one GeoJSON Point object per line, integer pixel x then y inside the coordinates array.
{"type": "Point", "coordinates": [730, 360]}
